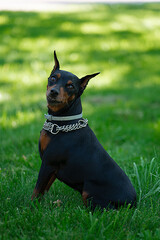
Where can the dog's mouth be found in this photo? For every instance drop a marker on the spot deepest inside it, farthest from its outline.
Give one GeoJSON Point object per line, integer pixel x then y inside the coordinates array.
{"type": "Point", "coordinates": [53, 101]}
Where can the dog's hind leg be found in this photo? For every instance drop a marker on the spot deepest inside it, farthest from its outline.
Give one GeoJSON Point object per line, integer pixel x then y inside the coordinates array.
{"type": "Point", "coordinates": [93, 197]}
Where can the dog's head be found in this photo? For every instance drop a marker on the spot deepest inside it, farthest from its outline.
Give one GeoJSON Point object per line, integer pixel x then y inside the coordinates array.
{"type": "Point", "coordinates": [64, 87]}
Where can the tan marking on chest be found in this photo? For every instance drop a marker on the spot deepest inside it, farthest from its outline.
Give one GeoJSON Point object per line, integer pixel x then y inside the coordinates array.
{"type": "Point", "coordinates": [44, 140]}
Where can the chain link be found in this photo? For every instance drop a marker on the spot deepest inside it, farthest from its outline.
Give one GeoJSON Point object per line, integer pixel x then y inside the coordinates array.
{"type": "Point", "coordinates": [55, 128]}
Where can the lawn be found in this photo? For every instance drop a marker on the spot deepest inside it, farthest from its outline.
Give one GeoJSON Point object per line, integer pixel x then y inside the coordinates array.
{"type": "Point", "coordinates": [122, 105]}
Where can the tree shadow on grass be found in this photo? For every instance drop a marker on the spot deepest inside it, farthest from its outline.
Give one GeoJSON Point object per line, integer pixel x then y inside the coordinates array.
{"type": "Point", "coordinates": [22, 31]}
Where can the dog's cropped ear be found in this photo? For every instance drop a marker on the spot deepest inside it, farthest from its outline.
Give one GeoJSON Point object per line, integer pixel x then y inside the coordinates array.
{"type": "Point", "coordinates": [85, 80]}
{"type": "Point", "coordinates": [56, 63]}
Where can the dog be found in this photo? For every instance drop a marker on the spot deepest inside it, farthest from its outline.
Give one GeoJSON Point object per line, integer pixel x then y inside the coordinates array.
{"type": "Point", "coordinates": [71, 152]}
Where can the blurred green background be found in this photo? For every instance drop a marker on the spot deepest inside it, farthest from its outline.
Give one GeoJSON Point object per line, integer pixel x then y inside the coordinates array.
{"type": "Point", "coordinates": [122, 104]}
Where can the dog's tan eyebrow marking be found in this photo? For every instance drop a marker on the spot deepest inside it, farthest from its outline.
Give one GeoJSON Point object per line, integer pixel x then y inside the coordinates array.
{"type": "Point", "coordinates": [69, 82]}
{"type": "Point", "coordinates": [58, 75]}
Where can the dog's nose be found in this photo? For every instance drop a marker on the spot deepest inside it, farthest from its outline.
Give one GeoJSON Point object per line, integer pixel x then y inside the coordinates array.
{"type": "Point", "coordinates": [54, 92]}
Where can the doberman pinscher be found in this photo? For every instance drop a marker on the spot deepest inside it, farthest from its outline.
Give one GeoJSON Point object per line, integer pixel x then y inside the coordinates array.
{"type": "Point", "coordinates": [71, 152]}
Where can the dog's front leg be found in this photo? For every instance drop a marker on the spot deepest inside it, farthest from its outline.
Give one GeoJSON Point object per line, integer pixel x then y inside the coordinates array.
{"type": "Point", "coordinates": [46, 177]}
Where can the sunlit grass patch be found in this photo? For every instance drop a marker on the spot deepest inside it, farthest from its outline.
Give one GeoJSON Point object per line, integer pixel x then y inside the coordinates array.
{"type": "Point", "coordinates": [20, 119]}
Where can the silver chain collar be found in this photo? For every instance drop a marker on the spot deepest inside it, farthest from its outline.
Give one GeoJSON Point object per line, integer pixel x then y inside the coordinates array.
{"type": "Point", "coordinates": [55, 128]}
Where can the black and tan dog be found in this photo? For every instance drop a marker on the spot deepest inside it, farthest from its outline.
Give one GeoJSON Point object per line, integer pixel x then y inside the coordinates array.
{"type": "Point", "coordinates": [71, 152]}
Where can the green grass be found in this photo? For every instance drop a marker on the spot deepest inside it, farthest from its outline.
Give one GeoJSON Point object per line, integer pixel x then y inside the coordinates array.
{"type": "Point", "coordinates": [122, 105]}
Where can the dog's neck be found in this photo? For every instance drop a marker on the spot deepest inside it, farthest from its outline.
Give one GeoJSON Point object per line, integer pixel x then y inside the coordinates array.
{"type": "Point", "coordinates": [74, 108]}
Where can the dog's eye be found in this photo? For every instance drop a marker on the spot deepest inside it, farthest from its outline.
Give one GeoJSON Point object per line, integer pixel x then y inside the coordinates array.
{"type": "Point", "coordinates": [70, 86]}
{"type": "Point", "coordinates": [51, 80]}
